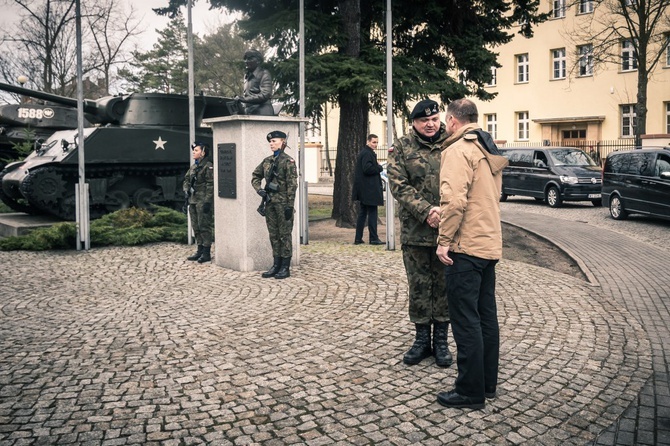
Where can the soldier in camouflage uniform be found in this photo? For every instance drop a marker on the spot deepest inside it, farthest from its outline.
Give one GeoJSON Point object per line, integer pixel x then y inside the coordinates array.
{"type": "Point", "coordinates": [281, 182]}
{"type": "Point", "coordinates": [199, 191]}
{"type": "Point", "coordinates": [414, 179]}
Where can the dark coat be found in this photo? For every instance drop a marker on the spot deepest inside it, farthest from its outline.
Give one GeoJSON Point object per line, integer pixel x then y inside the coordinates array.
{"type": "Point", "coordinates": [367, 179]}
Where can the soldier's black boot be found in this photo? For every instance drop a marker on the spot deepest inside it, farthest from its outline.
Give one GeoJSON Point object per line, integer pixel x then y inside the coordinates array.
{"type": "Point", "coordinates": [197, 254]}
{"type": "Point", "coordinates": [421, 348]}
{"type": "Point", "coordinates": [440, 346]}
{"type": "Point", "coordinates": [272, 271]}
{"type": "Point", "coordinates": [284, 271]}
{"type": "Point", "coordinates": [206, 254]}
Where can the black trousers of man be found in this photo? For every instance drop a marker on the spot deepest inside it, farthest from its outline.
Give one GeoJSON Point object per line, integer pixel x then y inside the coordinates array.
{"type": "Point", "coordinates": [474, 322]}
{"type": "Point", "coordinates": [369, 212]}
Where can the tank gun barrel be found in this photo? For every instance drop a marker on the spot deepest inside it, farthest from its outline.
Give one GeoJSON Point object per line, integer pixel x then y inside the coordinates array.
{"type": "Point", "coordinates": [89, 105]}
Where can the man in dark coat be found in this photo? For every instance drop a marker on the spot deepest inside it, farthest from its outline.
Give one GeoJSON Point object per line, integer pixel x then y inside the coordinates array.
{"type": "Point", "coordinates": [256, 99]}
{"type": "Point", "coordinates": [368, 191]}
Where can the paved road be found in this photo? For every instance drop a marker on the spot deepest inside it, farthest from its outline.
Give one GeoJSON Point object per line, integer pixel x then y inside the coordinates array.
{"type": "Point", "coordinates": [139, 346]}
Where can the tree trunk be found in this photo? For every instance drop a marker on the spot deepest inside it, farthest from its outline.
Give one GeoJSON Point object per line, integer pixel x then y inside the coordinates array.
{"type": "Point", "coordinates": [642, 81]}
{"type": "Point", "coordinates": [353, 121]}
{"type": "Point", "coordinates": [351, 138]}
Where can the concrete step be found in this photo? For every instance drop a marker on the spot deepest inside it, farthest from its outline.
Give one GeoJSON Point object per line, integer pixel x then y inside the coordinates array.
{"type": "Point", "coordinates": [15, 224]}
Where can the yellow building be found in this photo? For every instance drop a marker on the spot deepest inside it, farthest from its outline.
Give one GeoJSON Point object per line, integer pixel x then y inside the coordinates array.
{"type": "Point", "coordinates": [549, 91]}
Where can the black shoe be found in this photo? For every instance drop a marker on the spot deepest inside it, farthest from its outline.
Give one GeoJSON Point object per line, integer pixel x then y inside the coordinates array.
{"type": "Point", "coordinates": [377, 242]}
{"type": "Point", "coordinates": [456, 401]}
{"type": "Point", "coordinates": [206, 255]}
{"type": "Point", "coordinates": [441, 351]}
{"type": "Point", "coordinates": [284, 269]}
{"type": "Point", "coordinates": [420, 350]}
{"type": "Point", "coordinates": [490, 393]}
{"type": "Point", "coordinates": [358, 242]}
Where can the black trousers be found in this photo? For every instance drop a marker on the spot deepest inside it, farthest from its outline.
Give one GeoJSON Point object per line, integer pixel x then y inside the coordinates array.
{"type": "Point", "coordinates": [471, 285]}
{"type": "Point", "coordinates": [369, 212]}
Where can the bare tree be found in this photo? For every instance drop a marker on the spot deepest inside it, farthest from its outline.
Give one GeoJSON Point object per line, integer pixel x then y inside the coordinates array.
{"type": "Point", "coordinates": [631, 34]}
{"type": "Point", "coordinates": [41, 45]}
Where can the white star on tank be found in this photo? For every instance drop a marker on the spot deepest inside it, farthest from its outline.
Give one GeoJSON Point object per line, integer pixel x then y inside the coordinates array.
{"type": "Point", "coordinates": [160, 144]}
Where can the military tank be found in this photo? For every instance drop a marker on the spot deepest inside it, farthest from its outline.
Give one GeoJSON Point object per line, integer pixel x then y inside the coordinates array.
{"type": "Point", "coordinates": [137, 151]}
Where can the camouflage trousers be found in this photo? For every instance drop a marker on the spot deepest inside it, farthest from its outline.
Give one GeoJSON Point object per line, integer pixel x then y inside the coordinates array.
{"type": "Point", "coordinates": [279, 230]}
{"type": "Point", "coordinates": [201, 222]}
{"type": "Point", "coordinates": [427, 285]}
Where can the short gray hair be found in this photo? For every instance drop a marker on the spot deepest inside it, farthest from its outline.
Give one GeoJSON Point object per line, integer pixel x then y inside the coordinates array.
{"type": "Point", "coordinates": [464, 110]}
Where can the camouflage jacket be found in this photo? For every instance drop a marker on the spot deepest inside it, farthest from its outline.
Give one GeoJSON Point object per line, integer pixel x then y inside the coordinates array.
{"type": "Point", "coordinates": [201, 177]}
{"type": "Point", "coordinates": [286, 177]}
{"type": "Point", "coordinates": [414, 178]}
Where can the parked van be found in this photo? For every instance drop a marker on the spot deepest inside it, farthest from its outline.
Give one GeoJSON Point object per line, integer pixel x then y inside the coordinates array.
{"type": "Point", "coordinates": [637, 181]}
{"type": "Point", "coordinates": [552, 174]}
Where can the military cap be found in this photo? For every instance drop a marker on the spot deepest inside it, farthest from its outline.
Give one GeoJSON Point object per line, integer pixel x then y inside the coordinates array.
{"type": "Point", "coordinates": [198, 144]}
{"type": "Point", "coordinates": [425, 108]}
{"type": "Point", "coordinates": [253, 54]}
{"type": "Point", "coordinates": [276, 134]}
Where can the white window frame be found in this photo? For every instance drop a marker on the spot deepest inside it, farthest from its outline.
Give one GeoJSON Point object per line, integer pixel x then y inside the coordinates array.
{"type": "Point", "coordinates": [667, 118]}
{"type": "Point", "coordinates": [491, 122]}
{"type": "Point", "coordinates": [585, 60]}
{"type": "Point", "coordinates": [628, 120]}
{"type": "Point", "coordinates": [585, 6]}
{"type": "Point", "coordinates": [628, 56]}
{"type": "Point", "coordinates": [559, 64]}
{"type": "Point", "coordinates": [494, 77]}
{"type": "Point", "coordinates": [522, 68]}
{"type": "Point", "coordinates": [522, 126]}
{"type": "Point", "coordinates": [558, 10]}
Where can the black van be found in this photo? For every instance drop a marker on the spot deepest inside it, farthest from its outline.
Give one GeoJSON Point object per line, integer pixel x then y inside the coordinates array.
{"type": "Point", "coordinates": [637, 181]}
{"type": "Point", "coordinates": [553, 174]}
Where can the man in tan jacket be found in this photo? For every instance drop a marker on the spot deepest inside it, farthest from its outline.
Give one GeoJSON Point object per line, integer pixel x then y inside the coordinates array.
{"type": "Point", "coordinates": [470, 244]}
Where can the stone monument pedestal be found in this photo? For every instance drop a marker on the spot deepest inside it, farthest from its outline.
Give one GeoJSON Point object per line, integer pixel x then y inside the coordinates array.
{"type": "Point", "coordinates": [241, 237]}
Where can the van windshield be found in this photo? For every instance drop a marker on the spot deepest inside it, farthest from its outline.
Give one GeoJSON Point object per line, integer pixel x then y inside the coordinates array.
{"type": "Point", "coordinates": [570, 157]}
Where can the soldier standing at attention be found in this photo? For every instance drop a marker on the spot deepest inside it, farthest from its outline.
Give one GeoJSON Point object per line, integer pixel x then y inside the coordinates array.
{"type": "Point", "coordinates": [281, 183]}
{"type": "Point", "coordinates": [199, 191]}
{"type": "Point", "coordinates": [414, 179]}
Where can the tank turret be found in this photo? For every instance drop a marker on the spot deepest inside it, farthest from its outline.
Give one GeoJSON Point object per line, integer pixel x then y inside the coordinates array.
{"type": "Point", "coordinates": [137, 150]}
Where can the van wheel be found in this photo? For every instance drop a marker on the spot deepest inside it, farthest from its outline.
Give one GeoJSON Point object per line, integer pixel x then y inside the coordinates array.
{"type": "Point", "coordinates": [554, 197]}
{"type": "Point", "coordinates": [597, 203]}
{"type": "Point", "coordinates": [616, 208]}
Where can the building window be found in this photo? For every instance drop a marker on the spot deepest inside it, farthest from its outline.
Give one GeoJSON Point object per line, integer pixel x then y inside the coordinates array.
{"type": "Point", "coordinates": [585, 60]}
{"type": "Point", "coordinates": [492, 124]}
{"type": "Point", "coordinates": [585, 6]}
{"type": "Point", "coordinates": [522, 123]}
{"type": "Point", "coordinates": [559, 63]}
{"type": "Point", "coordinates": [667, 118]}
{"type": "Point", "coordinates": [574, 134]}
{"type": "Point", "coordinates": [628, 56]}
{"type": "Point", "coordinates": [522, 68]}
{"type": "Point", "coordinates": [494, 77]}
{"type": "Point", "coordinates": [628, 120]}
{"type": "Point", "coordinates": [559, 9]}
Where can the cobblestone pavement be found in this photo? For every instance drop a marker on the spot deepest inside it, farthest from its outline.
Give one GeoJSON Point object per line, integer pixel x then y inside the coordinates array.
{"type": "Point", "coordinates": [628, 260]}
{"type": "Point", "coordinates": [139, 346]}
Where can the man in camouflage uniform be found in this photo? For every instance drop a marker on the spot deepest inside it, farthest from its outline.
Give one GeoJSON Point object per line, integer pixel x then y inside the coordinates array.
{"type": "Point", "coordinates": [414, 179]}
{"type": "Point", "coordinates": [281, 182]}
{"type": "Point", "coordinates": [199, 191]}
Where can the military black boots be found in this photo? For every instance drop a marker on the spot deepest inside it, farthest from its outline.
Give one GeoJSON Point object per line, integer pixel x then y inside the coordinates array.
{"type": "Point", "coordinates": [272, 271]}
{"type": "Point", "coordinates": [197, 254]}
{"type": "Point", "coordinates": [440, 346]}
{"type": "Point", "coordinates": [284, 270]}
{"type": "Point", "coordinates": [206, 254]}
{"type": "Point", "coordinates": [421, 348]}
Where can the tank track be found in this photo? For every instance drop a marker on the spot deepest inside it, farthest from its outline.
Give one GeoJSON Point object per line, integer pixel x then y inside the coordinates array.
{"type": "Point", "coordinates": [19, 206]}
{"type": "Point", "coordinates": [51, 189]}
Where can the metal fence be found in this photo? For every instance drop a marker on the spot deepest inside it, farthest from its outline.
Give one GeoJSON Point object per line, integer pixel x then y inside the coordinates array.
{"type": "Point", "coordinates": [382, 156]}
{"type": "Point", "coordinates": [598, 150]}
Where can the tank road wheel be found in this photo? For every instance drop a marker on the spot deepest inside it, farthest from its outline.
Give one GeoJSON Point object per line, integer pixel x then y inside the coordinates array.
{"type": "Point", "coordinates": [144, 197]}
{"type": "Point", "coordinates": [46, 186]}
{"type": "Point", "coordinates": [117, 199]}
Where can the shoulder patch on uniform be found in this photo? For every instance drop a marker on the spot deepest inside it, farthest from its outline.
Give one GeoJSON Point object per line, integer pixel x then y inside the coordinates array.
{"type": "Point", "coordinates": [470, 137]}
